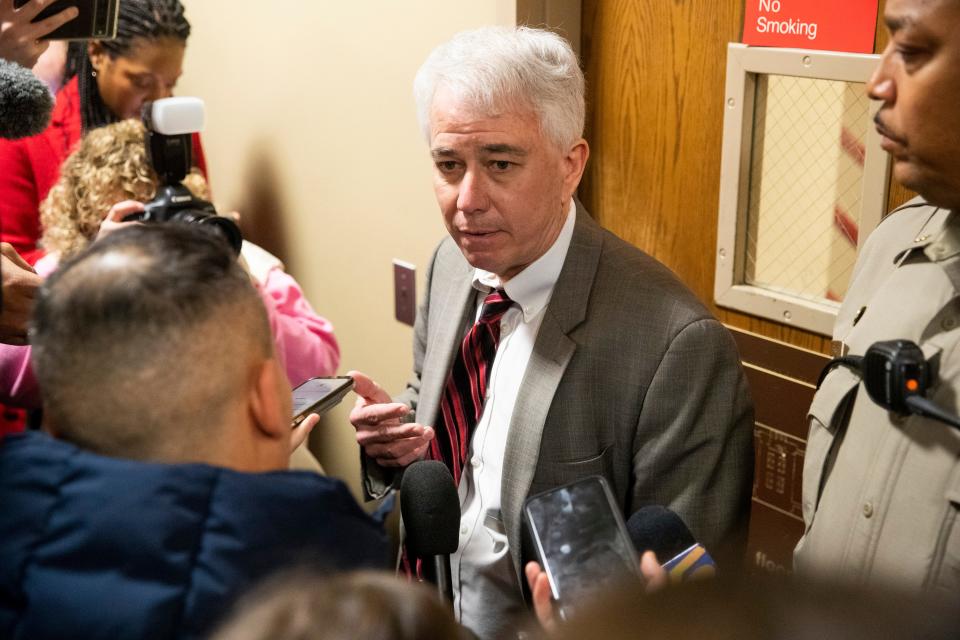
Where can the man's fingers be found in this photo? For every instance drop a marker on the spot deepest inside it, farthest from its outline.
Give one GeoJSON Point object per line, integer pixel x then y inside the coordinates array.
{"type": "Point", "coordinates": [385, 434]}
{"type": "Point", "coordinates": [379, 430]}
{"type": "Point", "coordinates": [407, 460]}
{"type": "Point", "coordinates": [365, 387]}
{"type": "Point", "coordinates": [413, 456]}
{"type": "Point", "coordinates": [399, 453]}
{"type": "Point", "coordinates": [371, 415]}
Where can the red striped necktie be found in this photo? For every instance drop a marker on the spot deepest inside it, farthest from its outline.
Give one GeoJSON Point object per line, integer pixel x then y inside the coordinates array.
{"type": "Point", "coordinates": [466, 387]}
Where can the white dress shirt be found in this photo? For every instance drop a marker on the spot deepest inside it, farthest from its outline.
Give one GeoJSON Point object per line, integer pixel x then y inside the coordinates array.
{"type": "Point", "coordinates": [487, 598]}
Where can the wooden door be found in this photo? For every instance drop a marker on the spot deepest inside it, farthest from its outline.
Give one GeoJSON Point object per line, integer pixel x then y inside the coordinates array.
{"type": "Point", "coordinates": [655, 74]}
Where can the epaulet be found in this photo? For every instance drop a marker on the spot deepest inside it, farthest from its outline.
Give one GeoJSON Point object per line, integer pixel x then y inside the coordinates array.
{"type": "Point", "coordinates": [915, 203]}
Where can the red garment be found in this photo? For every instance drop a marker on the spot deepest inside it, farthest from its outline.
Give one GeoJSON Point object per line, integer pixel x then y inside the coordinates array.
{"type": "Point", "coordinates": [12, 420]}
{"type": "Point", "coordinates": [28, 170]}
{"type": "Point", "coordinates": [31, 166]}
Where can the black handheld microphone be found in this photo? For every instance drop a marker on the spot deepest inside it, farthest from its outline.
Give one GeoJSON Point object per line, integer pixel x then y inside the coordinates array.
{"type": "Point", "coordinates": [25, 102]}
{"type": "Point", "coordinates": [658, 529]}
{"type": "Point", "coordinates": [430, 508]}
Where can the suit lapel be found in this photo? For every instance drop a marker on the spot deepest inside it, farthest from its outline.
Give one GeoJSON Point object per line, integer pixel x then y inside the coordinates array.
{"type": "Point", "coordinates": [548, 363]}
{"type": "Point", "coordinates": [452, 305]}
{"type": "Point", "coordinates": [551, 354]}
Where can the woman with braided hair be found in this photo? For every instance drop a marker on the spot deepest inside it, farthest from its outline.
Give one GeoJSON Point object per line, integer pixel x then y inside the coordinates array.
{"type": "Point", "coordinates": [106, 81]}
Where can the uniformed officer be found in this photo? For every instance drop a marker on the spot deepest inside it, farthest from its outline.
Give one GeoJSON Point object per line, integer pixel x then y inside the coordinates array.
{"type": "Point", "coordinates": [881, 492]}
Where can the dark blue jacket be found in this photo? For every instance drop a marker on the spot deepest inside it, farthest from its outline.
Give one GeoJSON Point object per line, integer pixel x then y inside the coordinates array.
{"type": "Point", "coordinates": [96, 547]}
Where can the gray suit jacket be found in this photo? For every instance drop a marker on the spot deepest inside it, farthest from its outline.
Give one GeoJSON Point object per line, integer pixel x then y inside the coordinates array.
{"type": "Point", "coordinates": [630, 378]}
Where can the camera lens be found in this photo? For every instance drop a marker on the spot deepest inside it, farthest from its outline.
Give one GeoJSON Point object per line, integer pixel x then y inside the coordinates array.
{"type": "Point", "coordinates": [227, 227]}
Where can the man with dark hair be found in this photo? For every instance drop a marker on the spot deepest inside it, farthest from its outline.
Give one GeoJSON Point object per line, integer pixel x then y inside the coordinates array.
{"type": "Point", "coordinates": [881, 491]}
{"type": "Point", "coordinates": [153, 347]}
{"type": "Point", "coordinates": [151, 324]}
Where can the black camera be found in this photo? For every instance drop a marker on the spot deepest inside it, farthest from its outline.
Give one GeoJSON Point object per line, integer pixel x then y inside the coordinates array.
{"type": "Point", "coordinates": [170, 124]}
{"type": "Point", "coordinates": [894, 371]}
{"type": "Point", "coordinates": [897, 377]}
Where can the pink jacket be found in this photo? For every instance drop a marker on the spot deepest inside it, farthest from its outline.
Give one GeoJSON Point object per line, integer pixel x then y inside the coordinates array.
{"type": "Point", "coordinates": [304, 340]}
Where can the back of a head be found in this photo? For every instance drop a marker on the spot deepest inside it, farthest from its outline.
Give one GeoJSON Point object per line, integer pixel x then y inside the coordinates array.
{"type": "Point", "coordinates": [369, 605]}
{"type": "Point", "coordinates": [493, 67]}
{"type": "Point", "coordinates": [142, 343]}
{"type": "Point", "coordinates": [764, 608]}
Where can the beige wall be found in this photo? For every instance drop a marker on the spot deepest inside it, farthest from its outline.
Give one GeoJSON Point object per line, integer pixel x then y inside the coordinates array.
{"type": "Point", "coordinates": [311, 135]}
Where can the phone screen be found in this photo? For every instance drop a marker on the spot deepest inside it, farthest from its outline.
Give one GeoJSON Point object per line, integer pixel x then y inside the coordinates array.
{"type": "Point", "coordinates": [317, 395]}
{"type": "Point", "coordinates": [581, 540]}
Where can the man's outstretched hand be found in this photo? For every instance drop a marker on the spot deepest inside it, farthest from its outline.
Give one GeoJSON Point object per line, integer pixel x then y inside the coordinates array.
{"type": "Point", "coordinates": [381, 429]}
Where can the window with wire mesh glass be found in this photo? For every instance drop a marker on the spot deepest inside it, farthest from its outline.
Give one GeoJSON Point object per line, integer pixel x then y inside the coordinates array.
{"type": "Point", "coordinates": [805, 185]}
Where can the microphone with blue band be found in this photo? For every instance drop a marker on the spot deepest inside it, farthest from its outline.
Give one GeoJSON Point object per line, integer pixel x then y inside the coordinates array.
{"type": "Point", "coordinates": [658, 529]}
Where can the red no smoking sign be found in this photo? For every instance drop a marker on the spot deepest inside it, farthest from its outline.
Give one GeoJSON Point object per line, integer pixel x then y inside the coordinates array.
{"type": "Point", "coordinates": [832, 25]}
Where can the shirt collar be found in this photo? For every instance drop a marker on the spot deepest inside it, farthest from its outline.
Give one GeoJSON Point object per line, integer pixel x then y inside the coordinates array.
{"type": "Point", "coordinates": [531, 288]}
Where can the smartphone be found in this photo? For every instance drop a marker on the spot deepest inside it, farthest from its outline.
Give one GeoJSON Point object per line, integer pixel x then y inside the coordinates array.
{"type": "Point", "coordinates": [319, 395]}
{"type": "Point", "coordinates": [97, 19]}
{"type": "Point", "coordinates": [581, 540]}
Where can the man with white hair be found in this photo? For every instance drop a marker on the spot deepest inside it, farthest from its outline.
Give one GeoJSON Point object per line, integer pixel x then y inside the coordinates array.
{"type": "Point", "coordinates": [546, 349]}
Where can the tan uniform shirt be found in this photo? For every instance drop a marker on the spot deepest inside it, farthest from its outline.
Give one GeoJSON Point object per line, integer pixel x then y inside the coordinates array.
{"type": "Point", "coordinates": [881, 493]}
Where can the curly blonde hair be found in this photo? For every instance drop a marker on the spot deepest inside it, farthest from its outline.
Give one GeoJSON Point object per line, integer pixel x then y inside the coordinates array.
{"type": "Point", "coordinates": [108, 166]}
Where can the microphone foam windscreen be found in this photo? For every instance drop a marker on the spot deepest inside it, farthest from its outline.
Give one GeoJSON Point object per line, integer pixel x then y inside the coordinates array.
{"type": "Point", "coordinates": [25, 102]}
{"type": "Point", "coordinates": [430, 508]}
{"type": "Point", "coordinates": [660, 530]}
